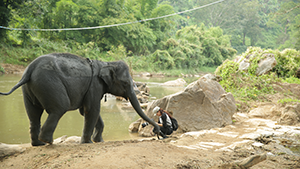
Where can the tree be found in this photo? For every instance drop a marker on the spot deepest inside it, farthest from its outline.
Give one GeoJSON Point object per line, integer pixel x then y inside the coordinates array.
{"type": "Point", "coordinates": [286, 19]}
{"type": "Point", "coordinates": [5, 14]}
{"type": "Point", "coordinates": [194, 47]}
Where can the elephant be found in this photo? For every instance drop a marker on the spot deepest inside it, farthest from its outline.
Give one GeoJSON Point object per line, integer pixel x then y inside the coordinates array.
{"type": "Point", "coordinates": [59, 82]}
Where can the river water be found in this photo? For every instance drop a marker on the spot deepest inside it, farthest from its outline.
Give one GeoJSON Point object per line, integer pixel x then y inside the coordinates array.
{"type": "Point", "coordinates": [14, 123]}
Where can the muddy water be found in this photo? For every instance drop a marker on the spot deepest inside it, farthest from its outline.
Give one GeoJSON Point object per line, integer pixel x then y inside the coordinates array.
{"type": "Point", "coordinates": [14, 124]}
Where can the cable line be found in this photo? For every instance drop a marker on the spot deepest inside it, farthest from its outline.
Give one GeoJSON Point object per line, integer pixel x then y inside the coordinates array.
{"type": "Point", "coordinates": [107, 26]}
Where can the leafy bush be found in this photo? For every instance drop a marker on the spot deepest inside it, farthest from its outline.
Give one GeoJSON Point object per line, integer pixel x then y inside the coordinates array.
{"type": "Point", "coordinates": [247, 85]}
{"type": "Point", "coordinates": [2, 69]}
{"type": "Point", "coordinates": [288, 61]}
{"type": "Point", "coordinates": [292, 79]}
{"type": "Point", "coordinates": [288, 100]}
{"type": "Point", "coordinates": [194, 47]}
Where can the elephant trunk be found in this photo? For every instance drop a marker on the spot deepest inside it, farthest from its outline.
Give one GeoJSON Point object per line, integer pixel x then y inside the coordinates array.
{"type": "Point", "coordinates": [136, 105]}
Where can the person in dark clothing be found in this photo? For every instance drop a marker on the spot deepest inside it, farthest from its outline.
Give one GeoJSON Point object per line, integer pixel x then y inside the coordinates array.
{"type": "Point", "coordinates": [164, 121]}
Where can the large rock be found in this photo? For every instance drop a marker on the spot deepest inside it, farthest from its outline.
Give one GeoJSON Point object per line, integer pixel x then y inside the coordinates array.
{"type": "Point", "coordinates": [265, 65]}
{"type": "Point", "coordinates": [290, 115]}
{"type": "Point", "coordinates": [177, 82]}
{"type": "Point", "coordinates": [292, 88]}
{"type": "Point", "coordinates": [10, 149]}
{"type": "Point", "coordinates": [203, 104]}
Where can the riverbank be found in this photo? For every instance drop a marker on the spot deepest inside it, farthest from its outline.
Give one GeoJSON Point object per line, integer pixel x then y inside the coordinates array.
{"type": "Point", "coordinates": [12, 69]}
{"type": "Point", "coordinates": [250, 134]}
{"type": "Point", "coordinates": [216, 148]}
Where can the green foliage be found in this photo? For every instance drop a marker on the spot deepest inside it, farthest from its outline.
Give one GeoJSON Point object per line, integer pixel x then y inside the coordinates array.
{"type": "Point", "coordinates": [117, 53]}
{"type": "Point", "coordinates": [5, 14]}
{"type": "Point", "coordinates": [288, 100]}
{"type": "Point", "coordinates": [163, 59]}
{"type": "Point", "coordinates": [226, 71]}
{"type": "Point", "coordinates": [24, 55]}
{"type": "Point", "coordinates": [288, 62]}
{"type": "Point", "coordinates": [292, 79]}
{"type": "Point", "coordinates": [249, 86]}
{"type": "Point", "coordinates": [194, 47]}
{"type": "Point", "coordinates": [2, 69]}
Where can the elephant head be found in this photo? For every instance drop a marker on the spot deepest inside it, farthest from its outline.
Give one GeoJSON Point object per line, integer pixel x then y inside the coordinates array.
{"type": "Point", "coordinates": [119, 82]}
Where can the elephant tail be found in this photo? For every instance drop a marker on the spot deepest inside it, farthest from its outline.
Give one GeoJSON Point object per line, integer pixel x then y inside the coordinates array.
{"type": "Point", "coordinates": [25, 78]}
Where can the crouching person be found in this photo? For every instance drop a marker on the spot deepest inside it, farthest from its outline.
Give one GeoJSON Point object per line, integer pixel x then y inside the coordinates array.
{"type": "Point", "coordinates": [164, 121]}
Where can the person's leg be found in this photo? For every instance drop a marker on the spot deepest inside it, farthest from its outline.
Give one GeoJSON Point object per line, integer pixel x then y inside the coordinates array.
{"type": "Point", "coordinates": [163, 132]}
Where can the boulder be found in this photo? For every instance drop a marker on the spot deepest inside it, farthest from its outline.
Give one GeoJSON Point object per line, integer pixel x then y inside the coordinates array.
{"type": "Point", "coordinates": [290, 115]}
{"type": "Point", "coordinates": [244, 65]}
{"type": "Point", "coordinates": [10, 149]}
{"type": "Point", "coordinates": [67, 140]}
{"type": "Point", "coordinates": [177, 82]}
{"type": "Point", "coordinates": [146, 74]}
{"type": "Point", "coordinates": [213, 77]}
{"type": "Point", "coordinates": [203, 104]}
{"type": "Point", "coordinates": [134, 127]}
{"type": "Point", "coordinates": [288, 87]}
{"type": "Point", "coordinates": [266, 65]}
{"type": "Point", "coordinates": [269, 111]}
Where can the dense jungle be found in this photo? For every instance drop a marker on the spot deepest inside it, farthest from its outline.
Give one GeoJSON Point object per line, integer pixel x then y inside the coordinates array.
{"type": "Point", "coordinates": [199, 39]}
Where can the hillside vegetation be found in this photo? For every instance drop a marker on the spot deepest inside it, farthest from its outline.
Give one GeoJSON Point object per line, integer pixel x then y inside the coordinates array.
{"type": "Point", "coordinates": [247, 86]}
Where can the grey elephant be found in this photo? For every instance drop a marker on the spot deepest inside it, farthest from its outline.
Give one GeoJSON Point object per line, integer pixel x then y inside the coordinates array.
{"type": "Point", "coordinates": [60, 82]}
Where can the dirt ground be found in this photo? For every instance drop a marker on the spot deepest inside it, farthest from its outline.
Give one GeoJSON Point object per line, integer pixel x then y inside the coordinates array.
{"type": "Point", "coordinates": [143, 154]}
{"type": "Point", "coordinates": [150, 153]}
{"type": "Point", "coordinates": [12, 69]}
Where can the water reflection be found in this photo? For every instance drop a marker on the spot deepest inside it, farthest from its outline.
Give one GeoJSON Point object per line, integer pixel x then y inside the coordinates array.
{"type": "Point", "coordinates": [14, 123]}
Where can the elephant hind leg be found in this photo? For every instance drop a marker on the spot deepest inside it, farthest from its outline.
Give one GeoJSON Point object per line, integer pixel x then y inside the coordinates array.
{"type": "Point", "coordinates": [34, 114]}
{"type": "Point", "coordinates": [97, 136]}
{"type": "Point", "coordinates": [46, 134]}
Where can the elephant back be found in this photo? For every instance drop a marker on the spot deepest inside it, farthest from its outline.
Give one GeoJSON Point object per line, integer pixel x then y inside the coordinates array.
{"type": "Point", "coordinates": [66, 64]}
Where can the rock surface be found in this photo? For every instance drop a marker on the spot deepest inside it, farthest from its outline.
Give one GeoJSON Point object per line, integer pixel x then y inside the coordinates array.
{"type": "Point", "coordinates": [203, 104]}
{"type": "Point", "coordinates": [177, 82]}
{"type": "Point", "coordinates": [264, 65]}
{"type": "Point", "coordinates": [10, 149]}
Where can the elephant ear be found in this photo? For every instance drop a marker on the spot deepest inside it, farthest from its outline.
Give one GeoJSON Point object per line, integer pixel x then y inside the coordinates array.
{"type": "Point", "coordinates": [107, 73]}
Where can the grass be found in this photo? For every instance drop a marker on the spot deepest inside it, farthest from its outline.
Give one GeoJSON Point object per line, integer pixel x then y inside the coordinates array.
{"type": "Point", "coordinates": [288, 100]}
{"type": "Point", "coordinates": [292, 80]}
{"type": "Point", "coordinates": [2, 69]}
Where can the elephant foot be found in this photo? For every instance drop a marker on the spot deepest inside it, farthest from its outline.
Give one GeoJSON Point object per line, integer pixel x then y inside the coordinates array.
{"type": "Point", "coordinates": [85, 141]}
{"type": "Point", "coordinates": [37, 143]}
{"type": "Point", "coordinates": [97, 139]}
{"type": "Point", "coordinates": [46, 139]}
{"type": "Point", "coordinates": [49, 142]}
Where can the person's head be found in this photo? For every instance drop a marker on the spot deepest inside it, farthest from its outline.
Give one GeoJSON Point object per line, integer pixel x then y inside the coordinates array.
{"type": "Point", "coordinates": [157, 111]}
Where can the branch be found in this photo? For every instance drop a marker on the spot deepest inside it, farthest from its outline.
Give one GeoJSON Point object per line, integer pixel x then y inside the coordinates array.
{"type": "Point", "coordinates": [287, 11]}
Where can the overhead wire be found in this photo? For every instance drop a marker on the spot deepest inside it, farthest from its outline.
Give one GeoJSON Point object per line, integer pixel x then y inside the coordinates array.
{"type": "Point", "coordinates": [107, 26]}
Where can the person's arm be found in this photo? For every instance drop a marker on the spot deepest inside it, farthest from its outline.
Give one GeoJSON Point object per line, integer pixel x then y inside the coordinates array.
{"type": "Point", "coordinates": [164, 119]}
{"type": "Point", "coordinates": [159, 124]}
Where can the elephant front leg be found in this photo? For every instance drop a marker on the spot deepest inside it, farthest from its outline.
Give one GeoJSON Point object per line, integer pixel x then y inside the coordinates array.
{"type": "Point", "coordinates": [97, 136]}
{"type": "Point", "coordinates": [90, 120]}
